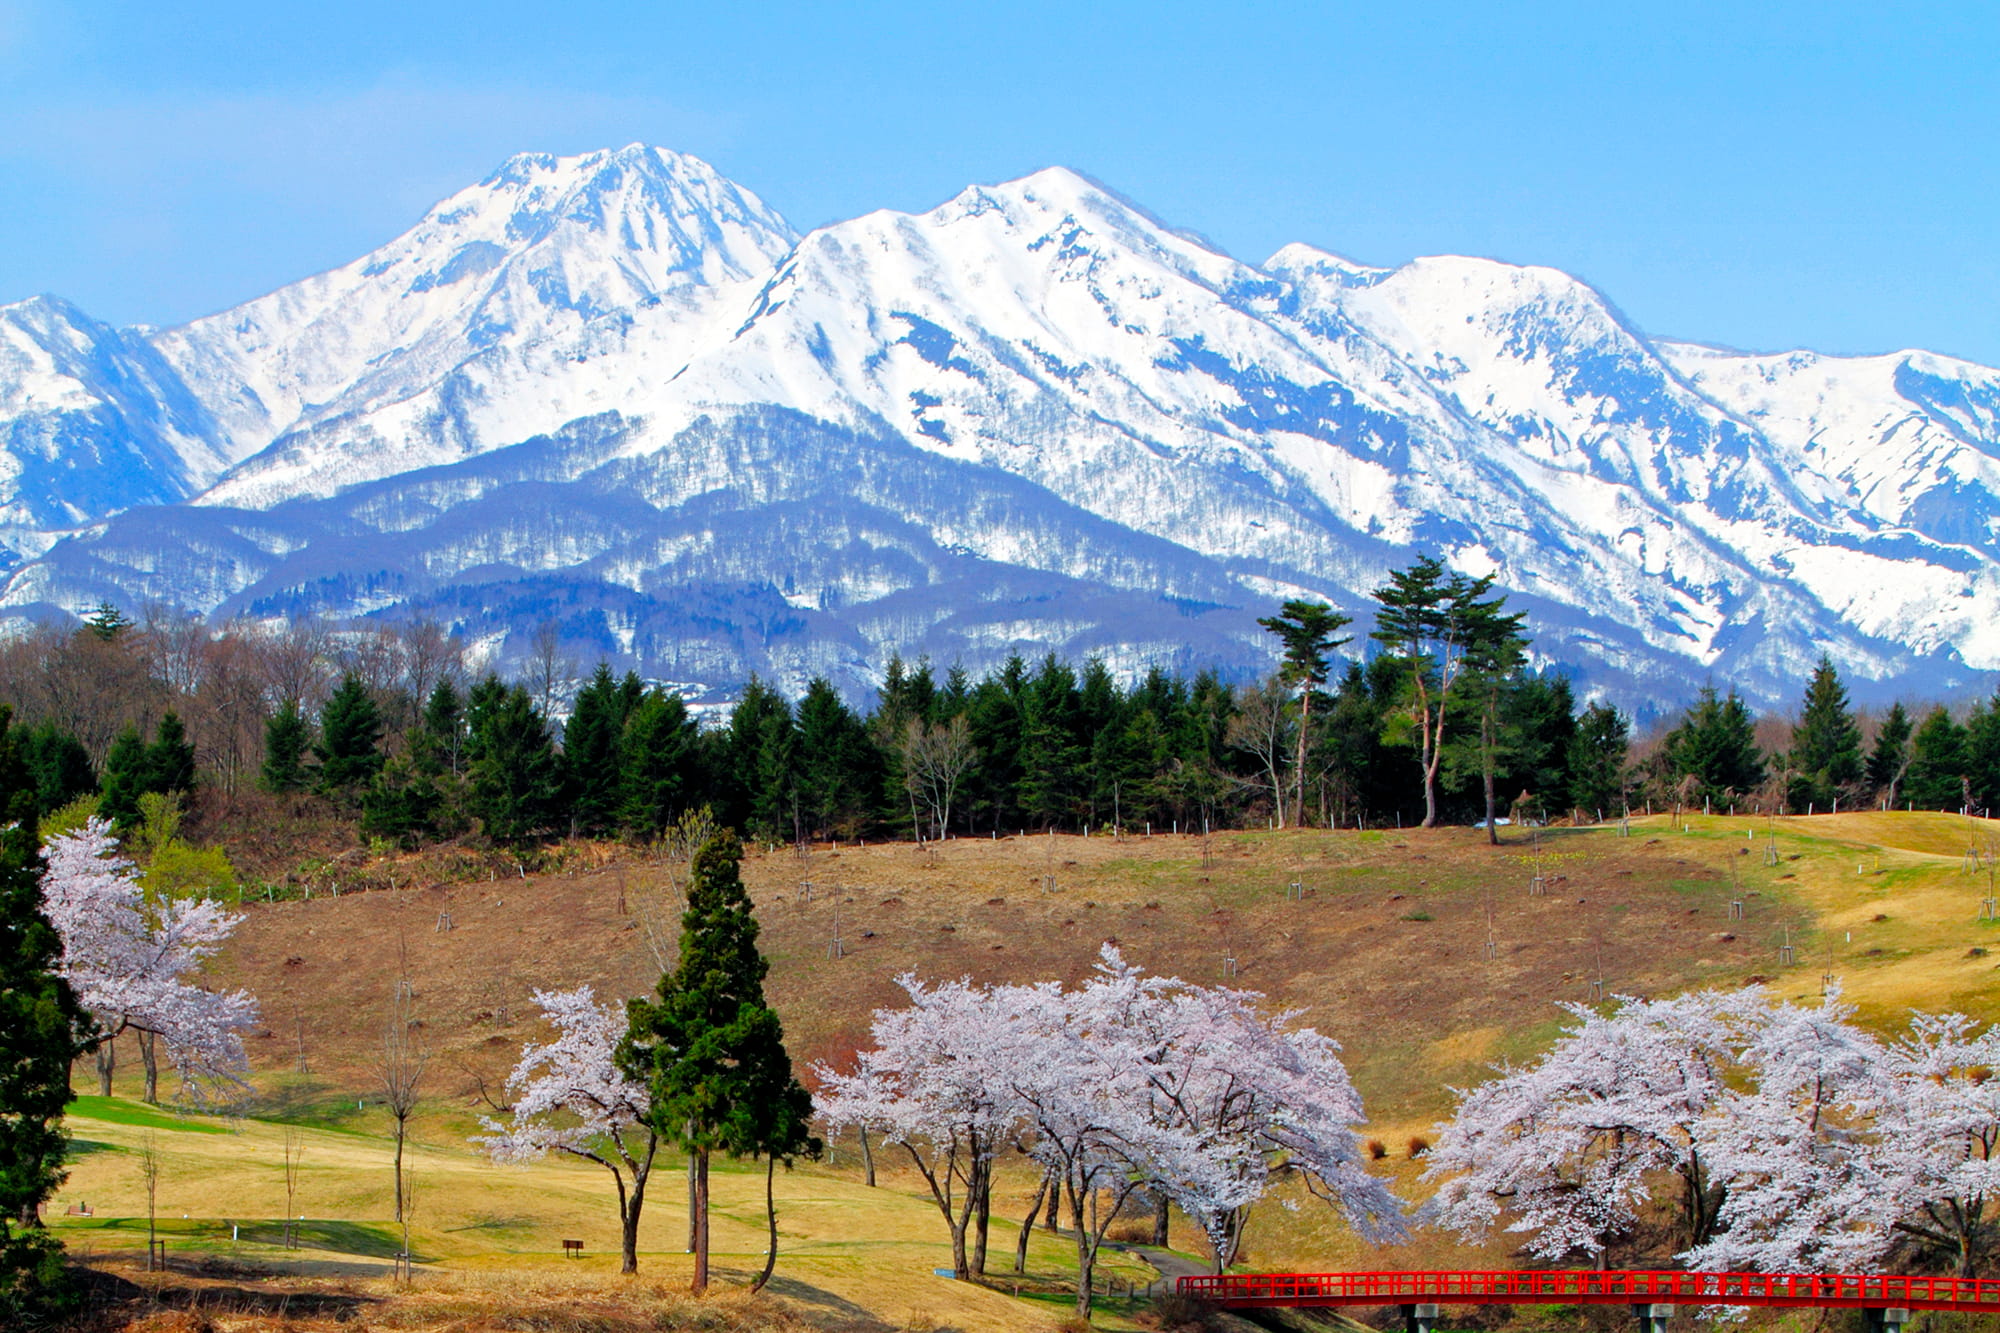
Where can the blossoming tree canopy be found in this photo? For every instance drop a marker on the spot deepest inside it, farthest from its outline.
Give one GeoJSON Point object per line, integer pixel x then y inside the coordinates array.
{"type": "Point", "coordinates": [1127, 1081]}
{"type": "Point", "coordinates": [569, 1096]}
{"type": "Point", "coordinates": [131, 959]}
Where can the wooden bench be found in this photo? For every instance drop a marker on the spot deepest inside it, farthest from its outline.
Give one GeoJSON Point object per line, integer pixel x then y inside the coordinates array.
{"type": "Point", "coordinates": [572, 1248]}
{"type": "Point", "coordinates": [78, 1210]}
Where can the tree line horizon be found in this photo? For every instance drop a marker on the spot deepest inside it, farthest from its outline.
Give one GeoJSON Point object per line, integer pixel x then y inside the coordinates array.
{"type": "Point", "coordinates": [1446, 722]}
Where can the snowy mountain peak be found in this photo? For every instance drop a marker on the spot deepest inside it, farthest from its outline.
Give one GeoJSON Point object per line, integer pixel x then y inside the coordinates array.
{"type": "Point", "coordinates": [617, 389]}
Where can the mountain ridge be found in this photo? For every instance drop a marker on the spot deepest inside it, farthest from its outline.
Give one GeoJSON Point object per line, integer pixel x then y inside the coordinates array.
{"type": "Point", "coordinates": [1294, 428]}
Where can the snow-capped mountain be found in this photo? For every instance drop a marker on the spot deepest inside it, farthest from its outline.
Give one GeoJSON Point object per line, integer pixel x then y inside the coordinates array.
{"type": "Point", "coordinates": [620, 391]}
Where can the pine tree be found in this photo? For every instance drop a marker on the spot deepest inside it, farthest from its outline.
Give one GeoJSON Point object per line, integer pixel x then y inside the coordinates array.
{"type": "Point", "coordinates": [1716, 745]}
{"type": "Point", "coordinates": [58, 766]}
{"type": "Point", "coordinates": [1936, 779]}
{"type": "Point", "coordinates": [659, 764]}
{"type": "Point", "coordinates": [170, 758]}
{"type": "Point", "coordinates": [1597, 760]}
{"type": "Point", "coordinates": [711, 1051]}
{"type": "Point", "coordinates": [517, 779]}
{"type": "Point", "coordinates": [1826, 744]}
{"type": "Point", "coordinates": [836, 763]}
{"type": "Point", "coordinates": [438, 745]}
{"type": "Point", "coordinates": [1891, 754]}
{"type": "Point", "coordinates": [286, 737]}
{"type": "Point", "coordinates": [41, 1031]}
{"type": "Point", "coordinates": [350, 739]}
{"type": "Point", "coordinates": [1306, 629]}
{"type": "Point", "coordinates": [763, 742]}
{"type": "Point", "coordinates": [124, 779]}
{"type": "Point", "coordinates": [107, 622]}
{"type": "Point", "coordinates": [590, 753]}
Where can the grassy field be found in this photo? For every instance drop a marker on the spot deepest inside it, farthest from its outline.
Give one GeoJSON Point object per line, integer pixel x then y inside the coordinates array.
{"type": "Point", "coordinates": [1429, 954]}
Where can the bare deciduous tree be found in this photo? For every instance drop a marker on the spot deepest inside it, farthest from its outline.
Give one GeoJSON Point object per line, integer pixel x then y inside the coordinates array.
{"type": "Point", "coordinates": [935, 760]}
{"type": "Point", "coordinates": [404, 1056]}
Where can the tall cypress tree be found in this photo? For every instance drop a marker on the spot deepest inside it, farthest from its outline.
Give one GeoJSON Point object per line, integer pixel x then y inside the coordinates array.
{"type": "Point", "coordinates": [1826, 745]}
{"type": "Point", "coordinates": [41, 1031]}
{"type": "Point", "coordinates": [124, 780]}
{"type": "Point", "coordinates": [286, 737]}
{"type": "Point", "coordinates": [709, 1048]}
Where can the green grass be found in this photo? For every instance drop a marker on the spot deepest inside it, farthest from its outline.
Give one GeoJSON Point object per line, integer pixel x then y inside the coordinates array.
{"type": "Point", "coordinates": [118, 1111]}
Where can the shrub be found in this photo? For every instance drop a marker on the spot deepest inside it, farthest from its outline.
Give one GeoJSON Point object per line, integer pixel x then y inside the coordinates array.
{"type": "Point", "coordinates": [1173, 1311]}
{"type": "Point", "coordinates": [1419, 1145]}
{"type": "Point", "coordinates": [1377, 1150]}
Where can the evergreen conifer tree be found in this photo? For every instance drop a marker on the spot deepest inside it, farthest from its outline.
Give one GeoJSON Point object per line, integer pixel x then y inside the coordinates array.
{"type": "Point", "coordinates": [1891, 755]}
{"type": "Point", "coordinates": [124, 779]}
{"type": "Point", "coordinates": [439, 745]}
{"type": "Point", "coordinates": [590, 753]}
{"type": "Point", "coordinates": [41, 1030]}
{"type": "Point", "coordinates": [763, 742]}
{"type": "Point", "coordinates": [517, 779]}
{"type": "Point", "coordinates": [836, 768]}
{"type": "Point", "coordinates": [1937, 775]}
{"type": "Point", "coordinates": [170, 758]}
{"type": "Point", "coordinates": [1597, 760]}
{"type": "Point", "coordinates": [1716, 744]}
{"type": "Point", "coordinates": [659, 764]}
{"type": "Point", "coordinates": [1306, 630]}
{"type": "Point", "coordinates": [58, 766]}
{"type": "Point", "coordinates": [1826, 744]}
{"type": "Point", "coordinates": [711, 1050]}
{"type": "Point", "coordinates": [286, 737]}
{"type": "Point", "coordinates": [349, 749]}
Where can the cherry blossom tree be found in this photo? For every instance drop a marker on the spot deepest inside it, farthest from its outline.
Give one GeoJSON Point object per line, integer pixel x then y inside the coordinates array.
{"type": "Point", "coordinates": [1570, 1148]}
{"type": "Point", "coordinates": [1797, 1149]}
{"type": "Point", "coordinates": [935, 1084]}
{"type": "Point", "coordinates": [1269, 1099]}
{"type": "Point", "coordinates": [1937, 1124]}
{"type": "Point", "coordinates": [1127, 1082]}
{"type": "Point", "coordinates": [570, 1097]}
{"type": "Point", "coordinates": [129, 960]}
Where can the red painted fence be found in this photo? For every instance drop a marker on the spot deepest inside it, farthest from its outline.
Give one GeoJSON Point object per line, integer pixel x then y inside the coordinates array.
{"type": "Point", "coordinates": [1596, 1287]}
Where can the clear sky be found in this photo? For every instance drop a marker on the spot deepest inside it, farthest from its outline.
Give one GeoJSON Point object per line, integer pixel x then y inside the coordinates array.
{"type": "Point", "coordinates": [1766, 175]}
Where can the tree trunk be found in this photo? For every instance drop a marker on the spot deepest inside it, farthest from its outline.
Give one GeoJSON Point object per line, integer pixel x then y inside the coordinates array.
{"type": "Point", "coordinates": [107, 1063]}
{"type": "Point", "coordinates": [149, 1057]}
{"type": "Point", "coordinates": [867, 1157]}
{"type": "Point", "coordinates": [1299, 771]}
{"type": "Point", "coordinates": [771, 1216]}
{"type": "Point", "coordinates": [1160, 1219]}
{"type": "Point", "coordinates": [694, 1199]}
{"type": "Point", "coordinates": [1028, 1225]}
{"type": "Point", "coordinates": [1486, 744]}
{"type": "Point", "coordinates": [400, 1123]}
{"type": "Point", "coordinates": [1086, 1254]}
{"type": "Point", "coordinates": [982, 1215]}
{"type": "Point", "coordinates": [628, 1220]}
{"type": "Point", "coordinates": [699, 1221]}
{"type": "Point", "coordinates": [1053, 1221]}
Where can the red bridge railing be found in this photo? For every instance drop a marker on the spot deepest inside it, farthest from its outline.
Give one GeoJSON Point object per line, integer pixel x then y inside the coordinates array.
{"type": "Point", "coordinates": [1597, 1287]}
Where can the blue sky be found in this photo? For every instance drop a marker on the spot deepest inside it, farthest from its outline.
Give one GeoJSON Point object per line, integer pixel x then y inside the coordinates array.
{"type": "Point", "coordinates": [1769, 175]}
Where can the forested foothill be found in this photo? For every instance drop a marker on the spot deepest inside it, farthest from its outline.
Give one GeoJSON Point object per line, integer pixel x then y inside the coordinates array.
{"type": "Point", "coordinates": [379, 735]}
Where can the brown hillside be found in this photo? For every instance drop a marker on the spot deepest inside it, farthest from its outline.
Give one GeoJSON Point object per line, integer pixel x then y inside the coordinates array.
{"type": "Point", "coordinates": [1387, 948]}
